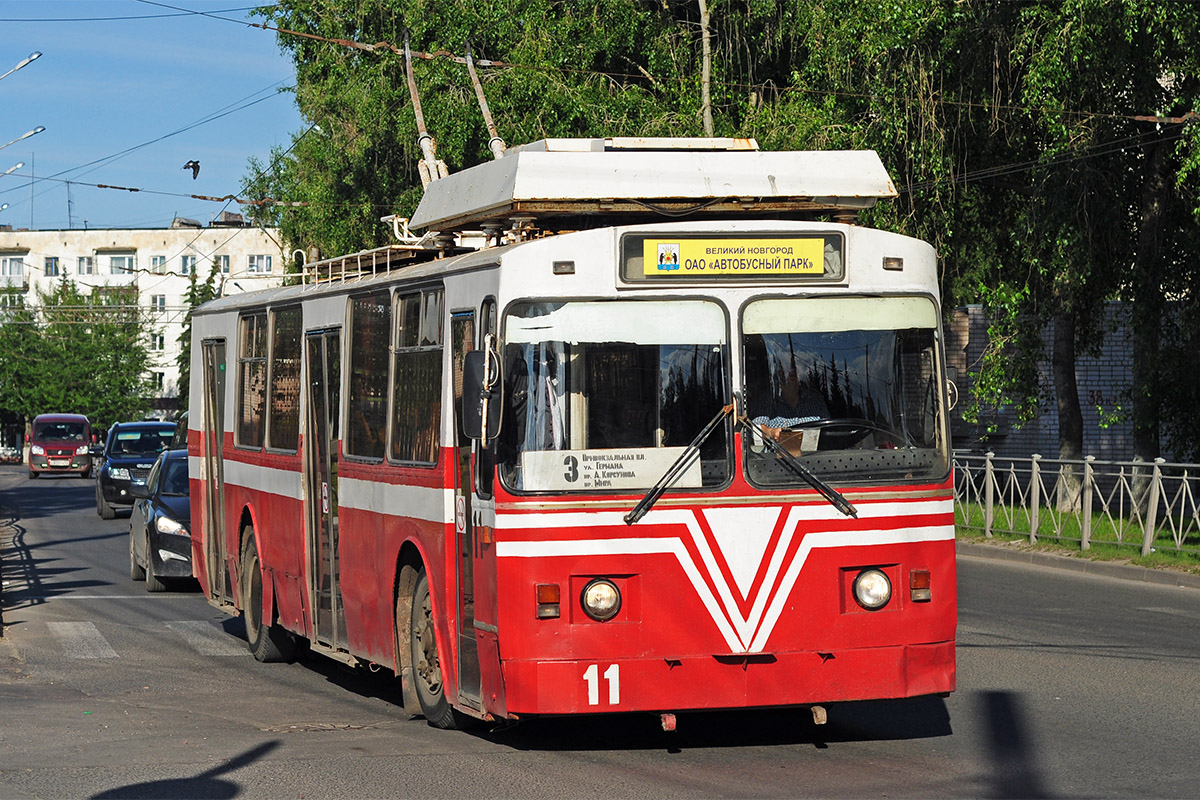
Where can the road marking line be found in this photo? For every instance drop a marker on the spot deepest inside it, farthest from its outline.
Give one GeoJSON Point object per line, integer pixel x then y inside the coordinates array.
{"type": "Point", "coordinates": [208, 640]}
{"type": "Point", "coordinates": [1177, 612]}
{"type": "Point", "coordinates": [81, 640]}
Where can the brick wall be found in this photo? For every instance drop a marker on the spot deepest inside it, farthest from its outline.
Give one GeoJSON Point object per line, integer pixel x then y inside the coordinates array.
{"type": "Point", "coordinates": [1103, 381]}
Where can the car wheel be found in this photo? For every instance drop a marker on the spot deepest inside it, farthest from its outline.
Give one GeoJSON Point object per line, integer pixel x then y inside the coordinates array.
{"type": "Point", "coordinates": [153, 582]}
{"type": "Point", "coordinates": [268, 642]}
{"type": "Point", "coordinates": [102, 507]}
{"type": "Point", "coordinates": [135, 569]}
{"type": "Point", "coordinates": [32, 474]}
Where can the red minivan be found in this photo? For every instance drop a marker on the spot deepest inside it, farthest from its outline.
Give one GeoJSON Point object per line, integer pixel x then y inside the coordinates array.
{"type": "Point", "coordinates": [60, 443]}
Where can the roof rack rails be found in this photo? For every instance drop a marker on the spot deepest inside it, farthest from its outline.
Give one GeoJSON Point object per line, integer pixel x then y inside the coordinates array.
{"type": "Point", "coordinates": [366, 263]}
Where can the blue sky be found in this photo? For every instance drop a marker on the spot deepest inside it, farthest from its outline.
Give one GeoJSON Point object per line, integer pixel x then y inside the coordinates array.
{"type": "Point", "coordinates": [124, 75]}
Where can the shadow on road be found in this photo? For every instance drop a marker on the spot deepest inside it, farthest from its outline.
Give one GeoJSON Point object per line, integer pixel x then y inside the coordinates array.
{"type": "Point", "coordinates": [208, 785]}
{"type": "Point", "coordinates": [30, 581]}
{"type": "Point", "coordinates": [50, 495]}
{"type": "Point", "coordinates": [1014, 771]}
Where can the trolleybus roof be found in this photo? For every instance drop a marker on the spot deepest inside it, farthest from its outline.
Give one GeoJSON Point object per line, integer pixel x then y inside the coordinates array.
{"type": "Point", "coordinates": [555, 178]}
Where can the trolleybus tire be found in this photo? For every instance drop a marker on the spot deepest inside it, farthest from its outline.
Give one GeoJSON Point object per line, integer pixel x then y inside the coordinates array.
{"type": "Point", "coordinates": [135, 569]}
{"type": "Point", "coordinates": [426, 665]}
{"type": "Point", "coordinates": [268, 642]}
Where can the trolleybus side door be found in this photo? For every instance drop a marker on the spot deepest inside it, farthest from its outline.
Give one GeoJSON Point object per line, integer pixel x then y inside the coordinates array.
{"type": "Point", "coordinates": [219, 587]}
{"type": "Point", "coordinates": [462, 337]}
{"type": "Point", "coordinates": [323, 352]}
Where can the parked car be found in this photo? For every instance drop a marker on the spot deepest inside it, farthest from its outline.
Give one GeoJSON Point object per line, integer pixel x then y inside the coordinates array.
{"type": "Point", "coordinates": [60, 443]}
{"type": "Point", "coordinates": [129, 454]}
{"type": "Point", "coordinates": [160, 540]}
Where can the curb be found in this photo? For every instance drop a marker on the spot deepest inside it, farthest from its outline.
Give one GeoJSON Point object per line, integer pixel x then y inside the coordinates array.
{"type": "Point", "coordinates": [1107, 569]}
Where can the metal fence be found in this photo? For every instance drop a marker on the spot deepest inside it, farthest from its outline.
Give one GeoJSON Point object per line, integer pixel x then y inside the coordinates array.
{"type": "Point", "coordinates": [1151, 506]}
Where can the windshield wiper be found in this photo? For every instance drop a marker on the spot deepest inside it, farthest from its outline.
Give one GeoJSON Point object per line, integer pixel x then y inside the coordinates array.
{"type": "Point", "coordinates": [828, 492]}
{"type": "Point", "coordinates": [675, 470]}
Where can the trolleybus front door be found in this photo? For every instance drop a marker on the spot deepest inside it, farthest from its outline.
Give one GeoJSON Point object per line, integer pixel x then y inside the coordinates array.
{"type": "Point", "coordinates": [320, 446]}
{"type": "Point", "coordinates": [462, 333]}
{"type": "Point", "coordinates": [219, 587]}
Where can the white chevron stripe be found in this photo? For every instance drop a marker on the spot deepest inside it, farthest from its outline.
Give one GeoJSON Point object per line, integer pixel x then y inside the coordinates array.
{"type": "Point", "coordinates": [751, 632]}
{"type": "Point", "coordinates": [743, 534]}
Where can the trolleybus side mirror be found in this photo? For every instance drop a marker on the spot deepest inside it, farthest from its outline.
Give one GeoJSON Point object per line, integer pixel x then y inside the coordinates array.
{"type": "Point", "coordinates": [951, 387]}
{"type": "Point", "coordinates": [481, 396]}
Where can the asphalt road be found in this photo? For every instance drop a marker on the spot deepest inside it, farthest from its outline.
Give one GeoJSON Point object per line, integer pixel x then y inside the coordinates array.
{"type": "Point", "coordinates": [1070, 685]}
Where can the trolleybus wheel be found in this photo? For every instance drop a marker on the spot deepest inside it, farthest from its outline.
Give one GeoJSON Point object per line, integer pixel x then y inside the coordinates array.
{"type": "Point", "coordinates": [267, 642]}
{"type": "Point", "coordinates": [135, 569]}
{"type": "Point", "coordinates": [427, 669]}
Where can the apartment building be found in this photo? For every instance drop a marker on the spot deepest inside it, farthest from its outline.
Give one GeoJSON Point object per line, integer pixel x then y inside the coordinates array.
{"type": "Point", "coordinates": [153, 264]}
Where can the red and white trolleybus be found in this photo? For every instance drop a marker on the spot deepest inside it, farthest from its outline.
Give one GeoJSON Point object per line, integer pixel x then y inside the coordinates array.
{"type": "Point", "coordinates": [639, 425]}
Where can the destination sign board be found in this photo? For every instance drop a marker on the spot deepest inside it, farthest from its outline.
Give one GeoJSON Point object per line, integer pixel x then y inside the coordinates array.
{"type": "Point", "coordinates": [697, 257]}
{"type": "Point", "coordinates": [606, 470]}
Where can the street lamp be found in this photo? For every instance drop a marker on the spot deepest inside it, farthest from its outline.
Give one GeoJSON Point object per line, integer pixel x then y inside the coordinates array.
{"type": "Point", "coordinates": [34, 56]}
{"type": "Point", "coordinates": [3, 206]}
{"type": "Point", "coordinates": [25, 135]}
{"type": "Point", "coordinates": [13, 168]}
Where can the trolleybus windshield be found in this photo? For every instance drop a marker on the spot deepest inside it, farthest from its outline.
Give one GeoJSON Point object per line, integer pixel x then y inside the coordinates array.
{"type": "Point", "coordinates": [604, 396]}
{"type": "Point", "coordinates": [848, 386]}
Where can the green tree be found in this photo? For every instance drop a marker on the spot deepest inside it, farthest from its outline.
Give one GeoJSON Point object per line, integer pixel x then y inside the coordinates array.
{"type": "Point", "coordinates": [618, 67]}
{"type": "Point", "coordinates": [79, 353]}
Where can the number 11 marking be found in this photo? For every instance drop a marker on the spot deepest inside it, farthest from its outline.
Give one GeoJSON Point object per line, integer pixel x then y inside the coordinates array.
{"type": "Point", "coordinates": [612, 675]}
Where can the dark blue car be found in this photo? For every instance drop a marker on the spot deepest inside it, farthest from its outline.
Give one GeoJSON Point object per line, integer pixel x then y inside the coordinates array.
{"type": "Point", "coordinates": [129, 452]}
{"type": "Point", "coordinates": [160, 540]}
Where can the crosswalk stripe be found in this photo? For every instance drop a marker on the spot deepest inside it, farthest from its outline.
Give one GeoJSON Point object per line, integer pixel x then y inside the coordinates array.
{"type": "Point", "coordinates": [207, 640]}
{"type": "Point", "coordinates": [81, 640]}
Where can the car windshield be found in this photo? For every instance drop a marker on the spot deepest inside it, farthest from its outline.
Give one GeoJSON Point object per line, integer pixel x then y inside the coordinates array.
{"type": "Point", "coordinates": [848, 386]}
{"type": "Point", "coordinates": [59, 432]}
{"type": "Point", "coordinates": [141, 442]}
{"type": "Point", "coordinates": [606, 395]}
{"type": "Point", "coordinates": [175, 478]}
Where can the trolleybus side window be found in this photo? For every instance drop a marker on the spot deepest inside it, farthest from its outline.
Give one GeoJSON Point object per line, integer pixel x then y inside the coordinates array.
{"type": "Point", "coordinates": [366, 403]}
{"type": "Point", "coordinates": [847, 385]}
{"type": "Point", "coordinates": [605, 396]}
{"type": "Point", "coordinates": [283, 422]}
{"type": "Point", "coordinates": [252, 378]}
{"type": "Point", "coordinates": [417, 377]}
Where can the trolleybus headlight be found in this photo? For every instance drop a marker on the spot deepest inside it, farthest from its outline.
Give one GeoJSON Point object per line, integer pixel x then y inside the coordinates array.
{"type": "Point", "coordinates": [872, 589]}
{"type": "Point", "coordinates": [601, 599]}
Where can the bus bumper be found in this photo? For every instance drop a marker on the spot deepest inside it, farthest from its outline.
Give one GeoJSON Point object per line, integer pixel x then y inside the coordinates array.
{"type": "Point", "coordinates": [754, 680]}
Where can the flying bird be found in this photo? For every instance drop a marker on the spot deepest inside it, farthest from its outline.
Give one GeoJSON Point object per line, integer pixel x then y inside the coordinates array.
{"type": "Point", "coordinates": [194, 166]}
